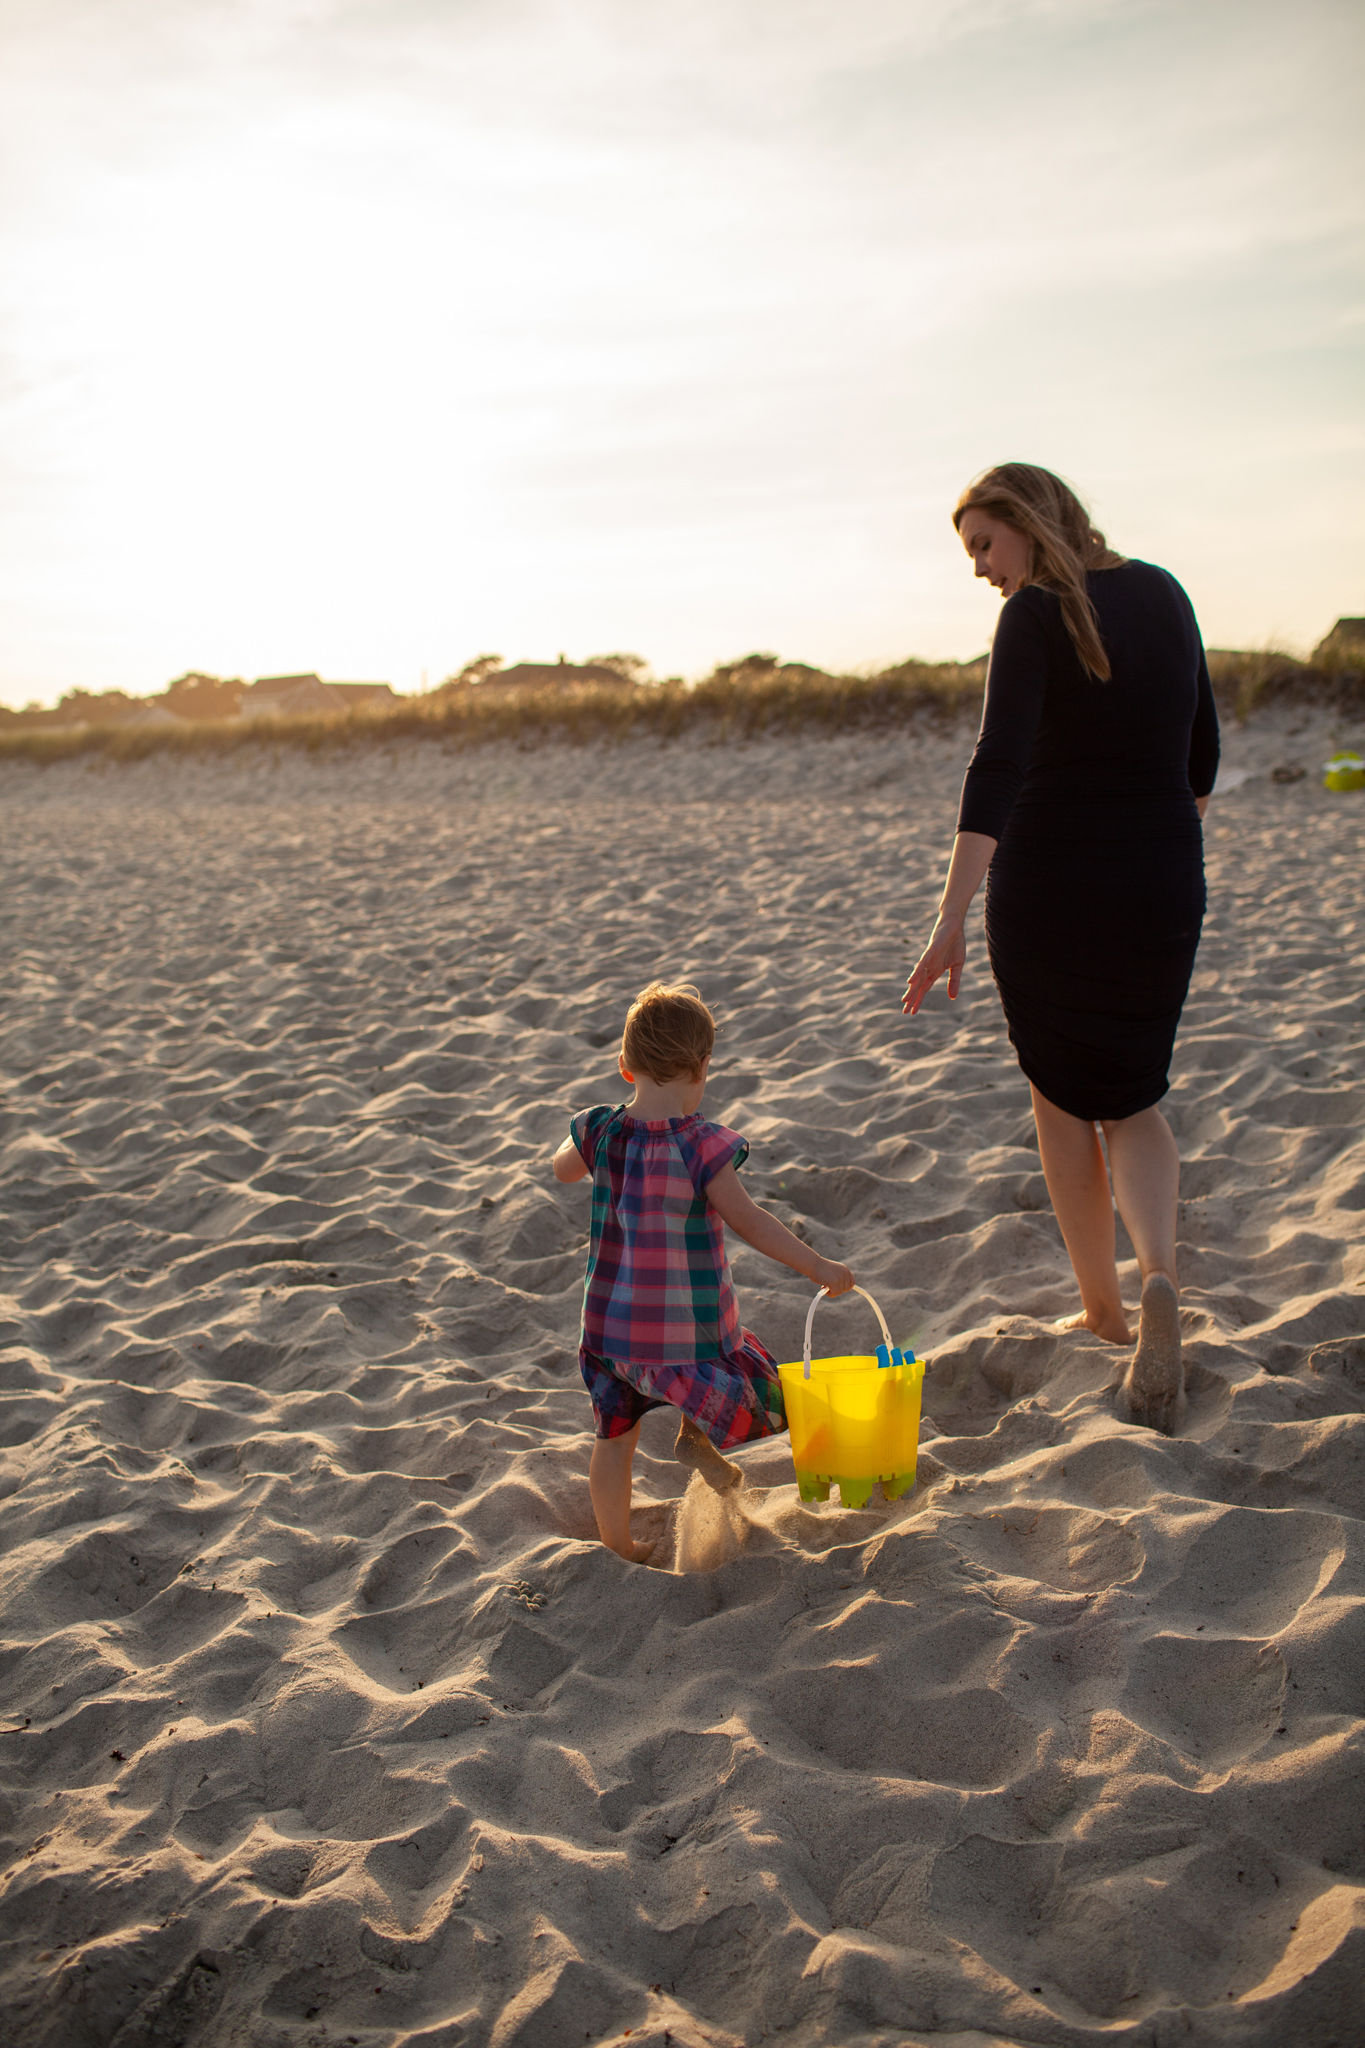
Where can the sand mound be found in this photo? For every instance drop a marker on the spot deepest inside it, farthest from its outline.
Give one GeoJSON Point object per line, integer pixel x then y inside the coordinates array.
{"type": "Point", "coordinates": [325, 1720]}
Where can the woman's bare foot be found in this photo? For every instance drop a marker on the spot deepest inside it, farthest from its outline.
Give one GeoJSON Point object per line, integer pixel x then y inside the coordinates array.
{"type": "Point", "coordinates": [1153, 1383]}
{"type": "Point", "coordinates": [639, 1553]}
{"type": "Point", "coordinates": [695, 1449]}
{"type": "Point", "coordinates": [1111, 1327]}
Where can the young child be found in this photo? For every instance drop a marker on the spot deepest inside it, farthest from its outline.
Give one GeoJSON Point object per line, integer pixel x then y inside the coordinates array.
{"type": "Point", "coordinates": [661, 1324]}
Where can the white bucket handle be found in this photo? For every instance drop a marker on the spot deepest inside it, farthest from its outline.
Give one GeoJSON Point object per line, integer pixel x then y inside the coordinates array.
{"type": "Point", "coordinates": [810, 1318]}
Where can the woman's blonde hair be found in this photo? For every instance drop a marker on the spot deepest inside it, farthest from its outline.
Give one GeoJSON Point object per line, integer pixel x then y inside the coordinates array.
{"type": "Point", "coordinates": [1063, 545]}
{"type": "Point", "coordinates": [669, 1031]}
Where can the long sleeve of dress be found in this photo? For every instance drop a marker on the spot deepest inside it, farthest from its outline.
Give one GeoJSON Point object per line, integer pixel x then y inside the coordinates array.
{"type": "Point", "coordinates": [1015, 684]}
{"type": "Point", "coordinates": [1204, 746]}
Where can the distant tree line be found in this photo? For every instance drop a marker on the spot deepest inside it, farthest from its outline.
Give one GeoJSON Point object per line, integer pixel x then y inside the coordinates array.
{"type": "Point", "coordinates": [193, 696]}
{"type": "Point", "coordinates": [1336, 670]}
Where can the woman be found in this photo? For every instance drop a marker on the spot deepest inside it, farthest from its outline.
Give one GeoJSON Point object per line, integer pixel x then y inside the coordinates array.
{"type": "Point", "coordinates": [1097, 752]}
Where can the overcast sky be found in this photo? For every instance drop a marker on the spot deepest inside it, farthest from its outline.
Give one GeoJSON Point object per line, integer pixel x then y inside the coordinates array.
{"type": "Point", "coordinates": [369, 335]}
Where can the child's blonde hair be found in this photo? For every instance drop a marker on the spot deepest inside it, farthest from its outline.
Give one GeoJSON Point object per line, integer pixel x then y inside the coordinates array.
{"type": "Point", "coordinates": [669, 1031]}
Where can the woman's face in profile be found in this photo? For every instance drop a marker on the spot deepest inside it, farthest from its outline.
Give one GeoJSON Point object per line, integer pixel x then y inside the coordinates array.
{"type": "Point", "coordinates": [1000, 552]}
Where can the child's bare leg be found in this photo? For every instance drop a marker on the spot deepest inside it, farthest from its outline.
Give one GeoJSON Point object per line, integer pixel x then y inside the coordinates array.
{"type": "Point", "coordinates": [609, 1485]}
{"type": "Point", "coordinates": [696, 1449]}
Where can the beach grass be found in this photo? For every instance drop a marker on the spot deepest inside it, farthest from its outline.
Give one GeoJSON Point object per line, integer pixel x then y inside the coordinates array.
{"type": "Point", "coordinates": [744, 700]}
{"type": "Point", "coordinates": [1244, 681]}
{"type": "Point", "coordinates": [735, 703]}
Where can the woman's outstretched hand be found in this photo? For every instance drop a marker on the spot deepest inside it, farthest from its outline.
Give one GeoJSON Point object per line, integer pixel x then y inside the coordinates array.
{"type": "Point", "coordinates": [947, 947]}
{"type": "Point", "coordinates": [944, 954]}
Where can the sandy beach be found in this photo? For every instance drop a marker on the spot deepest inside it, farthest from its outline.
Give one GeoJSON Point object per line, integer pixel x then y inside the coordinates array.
{"type": "Point", "coordinates": [325, 1718]}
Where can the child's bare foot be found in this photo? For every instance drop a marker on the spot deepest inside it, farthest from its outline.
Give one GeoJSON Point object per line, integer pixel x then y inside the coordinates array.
{"type": "Point", "coordinates": [695, 1449]}
{"type": "Point", "coordinates": [624, 1545]}
{"type": "Point", "coordinates": [1152, 1386]}
{"type": "Point", "coordinates": [1111, 1327]}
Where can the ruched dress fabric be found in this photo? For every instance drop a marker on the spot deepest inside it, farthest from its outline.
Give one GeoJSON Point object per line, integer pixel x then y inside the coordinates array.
{"type": "Point", "coordinates": [1095, 896]}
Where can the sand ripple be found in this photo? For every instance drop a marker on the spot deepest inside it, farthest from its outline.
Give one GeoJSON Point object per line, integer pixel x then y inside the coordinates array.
{"type": "Point", "coordinates": [324, 1720]}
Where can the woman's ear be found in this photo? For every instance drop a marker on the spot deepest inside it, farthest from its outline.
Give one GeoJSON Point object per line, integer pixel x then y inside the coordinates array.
{"type": "Point", "coordinates": [623, 1070]}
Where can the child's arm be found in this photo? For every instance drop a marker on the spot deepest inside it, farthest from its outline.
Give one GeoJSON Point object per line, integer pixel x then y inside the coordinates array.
{"type": "Point", "coordinates": [770, 1237]}
{"type": "Point", "coordinates": [568, 1162]}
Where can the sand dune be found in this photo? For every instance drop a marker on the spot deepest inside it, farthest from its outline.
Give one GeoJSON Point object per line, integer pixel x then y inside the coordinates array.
{"type": "Point", "coordinates": [325, 1720]}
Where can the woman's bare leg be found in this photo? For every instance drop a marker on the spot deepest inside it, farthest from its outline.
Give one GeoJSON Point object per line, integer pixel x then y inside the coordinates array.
{"type": "Point", "coordinates": [609, 1485]}
{"type": "Point", "coordinates": [1073, 1166]}
{"type": "Point", "coordinates": [1145, 1163]}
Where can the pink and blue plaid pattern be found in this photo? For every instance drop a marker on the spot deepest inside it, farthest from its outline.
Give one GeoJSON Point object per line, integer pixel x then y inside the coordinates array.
{"type": "Point", "coordinates": [660, 1320]}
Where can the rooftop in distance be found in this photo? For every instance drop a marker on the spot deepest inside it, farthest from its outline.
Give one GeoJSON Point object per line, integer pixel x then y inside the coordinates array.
{"type": "Point", "coordinates": [307, 695]}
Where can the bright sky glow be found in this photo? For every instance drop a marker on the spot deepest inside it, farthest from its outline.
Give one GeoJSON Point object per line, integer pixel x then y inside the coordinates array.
{"type": "Point", "coordinates": [368, 335]}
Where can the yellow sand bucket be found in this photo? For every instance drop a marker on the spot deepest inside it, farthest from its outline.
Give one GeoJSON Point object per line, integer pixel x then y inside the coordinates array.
{"type": "Point", "coordinates": [854, 1421]}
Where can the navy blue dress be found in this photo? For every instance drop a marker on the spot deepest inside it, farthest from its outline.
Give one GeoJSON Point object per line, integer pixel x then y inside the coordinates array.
{"type": "Point", "coordinates": [1095, 897]}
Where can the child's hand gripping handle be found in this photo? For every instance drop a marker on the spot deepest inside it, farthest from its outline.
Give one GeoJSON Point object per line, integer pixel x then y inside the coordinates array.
{"type": "Point", "coordinates": [887, 1353]}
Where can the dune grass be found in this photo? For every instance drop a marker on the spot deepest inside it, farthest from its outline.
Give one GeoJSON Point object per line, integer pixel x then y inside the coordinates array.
{"type": "Point", "coordinates": [1245, 681]}
{"type": "Point", "coordinates": [727, 705]}
{"type": "Point", "coordinates": [742, 701]}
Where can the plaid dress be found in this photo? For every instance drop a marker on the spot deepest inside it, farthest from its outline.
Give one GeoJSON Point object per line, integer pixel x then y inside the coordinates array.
{"type": "Point", "coordinates": [661, 1324]}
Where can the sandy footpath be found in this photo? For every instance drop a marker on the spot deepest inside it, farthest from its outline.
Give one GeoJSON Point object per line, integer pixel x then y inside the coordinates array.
{"type": "Point", "coordinates": [324, 1719]}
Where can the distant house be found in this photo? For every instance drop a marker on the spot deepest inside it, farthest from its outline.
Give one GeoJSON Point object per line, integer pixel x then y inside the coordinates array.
{"type": "Point", "coordinates": [1345, 641]}
{"type": "Point", "coordinates": [153, 714]}
{"type": "Point", "coordinates": [554, 675]}
{"type": "Point", "coordinates": [309, 697]}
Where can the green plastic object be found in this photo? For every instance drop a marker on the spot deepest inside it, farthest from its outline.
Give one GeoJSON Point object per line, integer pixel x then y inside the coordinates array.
{"type": "Point", "coordinates": [854, 1493]}
{"type": "Point", "coordinates": [1344, 771]}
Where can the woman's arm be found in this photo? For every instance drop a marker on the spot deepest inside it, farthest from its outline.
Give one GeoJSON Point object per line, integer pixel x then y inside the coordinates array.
{"type": "Point", "coordinates": [947, 947]}
{"type": "Point", "coordinates": [1204, 743]}
{"type": "Point", "coordinates": [767, 1235]}
{"type": "Point", "coordinates": [1016, 684]}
